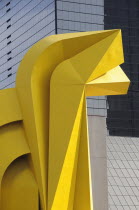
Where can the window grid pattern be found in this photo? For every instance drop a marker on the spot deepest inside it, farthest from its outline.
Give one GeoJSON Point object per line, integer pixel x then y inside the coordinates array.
{"type": "Point", "coordinates": [123, 112]}
{"type": "Point", "coordinates": [23, 23]}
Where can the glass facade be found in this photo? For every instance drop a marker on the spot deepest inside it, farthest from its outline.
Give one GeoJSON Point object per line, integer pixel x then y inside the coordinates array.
{"type": "Point", "coordinates": [123, 112]}
{"type": "Point", "coordinates": [80, 15]}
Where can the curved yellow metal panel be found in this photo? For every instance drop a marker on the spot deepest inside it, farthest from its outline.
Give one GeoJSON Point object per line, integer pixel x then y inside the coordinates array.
{"type": "Point", "coordinates": [53, 79]}
{"type": "Point", "coordinates": [19, 188]}
{"type": "Point", "coordinates": [40, 62]}
{"type": "Point", "coordinates": [9, 106]}
{"type": "Point", "coordinates": [12, 145]}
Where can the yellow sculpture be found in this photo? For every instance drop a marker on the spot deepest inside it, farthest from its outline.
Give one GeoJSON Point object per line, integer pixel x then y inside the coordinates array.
{"type": "Point", "coordinates": [44, 149]}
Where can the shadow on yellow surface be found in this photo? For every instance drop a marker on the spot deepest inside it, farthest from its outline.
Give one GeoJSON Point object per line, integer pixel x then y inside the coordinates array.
{"type": "Point", "coordinates": [47, 123]}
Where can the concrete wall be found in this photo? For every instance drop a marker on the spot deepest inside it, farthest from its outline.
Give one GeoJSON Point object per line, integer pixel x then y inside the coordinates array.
{"type": "Point", "coordinates": [97, 137]}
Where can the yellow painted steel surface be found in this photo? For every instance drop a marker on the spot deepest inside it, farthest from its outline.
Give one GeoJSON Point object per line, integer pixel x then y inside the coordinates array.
{"type": "Point", "coordinates": [44, 148]}
{"type": "Point", "coordinates": [9, 106]}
